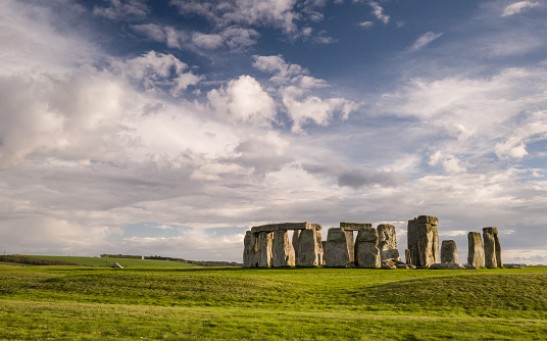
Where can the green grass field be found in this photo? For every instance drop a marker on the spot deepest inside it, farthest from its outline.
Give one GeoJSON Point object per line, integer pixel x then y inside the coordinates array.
{"type": "Point", "coordinates": [173, 303]}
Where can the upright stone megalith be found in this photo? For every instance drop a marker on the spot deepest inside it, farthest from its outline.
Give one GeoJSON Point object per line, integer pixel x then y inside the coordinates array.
{"type": "Point", "coordinates": [309, 251]}
{"type": "Point", "coordinates": [475, 250]}
{"type": "Point", "coordinates": [423, 241]}
{"type": "Point", "coordinates": [265, 249]}
{"type": "Point", "coordinates": [295, 236]}
{"type": "Point", "coordinates": [283, 252]}
{"type": "Point", "coordinates": [492, 248]}
{"type": "Point", "coordinates": [449, 253]}
{"type": "Point", "coordinates": [387, 242]}
{"type": "Point", "coordinates": [250, 250]}
{"type": "Point", "coordinates": [339, 248]}
{"type": "Point", "coordinates": [367, 254]}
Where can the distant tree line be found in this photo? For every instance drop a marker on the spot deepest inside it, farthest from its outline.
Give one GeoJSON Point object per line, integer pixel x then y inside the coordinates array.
{"type": "Point", "coordinates": [195, 262]}
{"type": "Point", "coordinates": [23, 259]}
{"type": "Point", "coordinates": [105, 255]}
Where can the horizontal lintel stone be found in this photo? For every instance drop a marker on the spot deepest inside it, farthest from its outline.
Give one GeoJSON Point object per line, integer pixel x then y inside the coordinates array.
{"type": "Point", "coordinates": [285, 226]}
{"type": "Point", "coordinates": [348, 226]}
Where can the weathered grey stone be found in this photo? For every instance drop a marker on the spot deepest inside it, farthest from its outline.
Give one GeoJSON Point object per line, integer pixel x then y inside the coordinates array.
{"type": "Point", "coordinates": [117, 265]}
{"type": "Point", "coordinates": [295, 236]}
{"type": "Point", "coordinates": [265, 245]}
{"type": "Point", "coordinates": [475, 250]}
{"type": "Point", "coordinates": [348, 226]}
{"type": "Point", "coordinates": [436, 266]}
{"type": "Point", "coordinates": [308, 249]}
{"type": "Point", "coordinates": [494, 231]}
{"type": "Point", "coordinates": [449, 252]}
{"type": "Point", "coordinates": [402, 266]}
{"type": "Point", "coordinates": [367, 254]}
{"type": "Point", "coordinates": [320, 248]}
{"type": "Point", "coordinates": [389, 264]}
{"type": "Point", "coordinates": [408, 257]}
{"type": "Point", "coordinates": [387, 242]}
{"type": "Point", "coordinates": [250, 250]}
{"type": "Point", "coordinates": [285, 226]}
{"type": "Point", "coordinates": [338, 248]}
{"type": "Point", "coordinates": [489, 249]}
{"type": "Point", "coordinates": [453, 266]}
{"type": "Point", "coordinates": [283, 252]}
{"type": "Point", "coordinates": [423, 241]}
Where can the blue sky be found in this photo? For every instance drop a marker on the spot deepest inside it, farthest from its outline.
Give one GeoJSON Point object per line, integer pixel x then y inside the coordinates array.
{"type": "Point", "coordinates": [171, 127]}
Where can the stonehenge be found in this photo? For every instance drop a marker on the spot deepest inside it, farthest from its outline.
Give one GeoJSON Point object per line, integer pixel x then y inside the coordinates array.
{"type": "Point", "coordinates": [367, 253]}
{"type": "Point", "coordinates": [339, 248]}
{"type": "Point", "coordinates": [423, 241]}
{"type": "Point", "coordinates": [270, 246]}
{"type": "Point", "coordinates": [492, 249]}
{"type": "Point", "coordinates": [449, 253]}
{"type": "Point", "coordinates": [475, 251]}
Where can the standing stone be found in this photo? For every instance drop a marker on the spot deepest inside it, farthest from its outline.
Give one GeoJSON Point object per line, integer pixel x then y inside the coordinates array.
{"type": "Point", "coordinates": [283, 252]}
{"type": "Point", "coordinates": [475, 251]}
{"type": "Point", "coordinates": [492, 249]}
{"type": "Point", "coordinates": [250, 250]}
{"type": "Point", "coordinates": [449, 253]}
{"type": "Point", "coordinates": [387, 242]}
{"type": "Point", "coordinates": [423, 241]}
{"type": "Point", "coordinates": [320, 248]}
{"type": "Point", "coordinates": [367, 254]}
{"type": "Point", "coordinates": [408, 258]}
{"type": "Point", "coordinates": [339, 248]}
{"type": "Point", "coordinates": [308, 250]}
{"type": "Point", "coordinates": [265, 254]}
{"type": "Point", "coordinates": [295, 236]}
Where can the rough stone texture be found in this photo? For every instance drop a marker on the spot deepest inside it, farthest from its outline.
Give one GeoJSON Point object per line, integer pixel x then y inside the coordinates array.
{"type": "Point", "coordinates": [449, 252]}
{"type": "Point", "coordinates": [423, 241]}
{"type": "Point", "coordinates": [338, 249]}
{"type": "Point", "coordinates": [354, 226]}
{"type": "Point", "coordinates": [285, 226]}
{"type": "Point", "coordinates": [265, 254]}
{"type": "Point", "coordinates": [490, 259]}
{"type": "Point", "coordinates": [295, 236]}
{"type": "Point", "coordinates": [283, 252]}
{"type": "Point", "coordinates": [389, 264]}
{"type": "Point", "coordinates": [250, 250]}
{"type": "Point", "coordinates": [117, 265]}
{"type": "Point", "coordinates": [367, 254]}
{"type": "Point", "coordinates": [475, 250]}
{"type": "Point", "coordinates": [408, 257]}
{"type": "Point", "coordinates": [387, 242]}
{"type": "Point", "coordinates": [494, 231]}
{"type": "Point", "coordinates": [308, 249]}
{"type": "Point", "coordinates": [320, 248]}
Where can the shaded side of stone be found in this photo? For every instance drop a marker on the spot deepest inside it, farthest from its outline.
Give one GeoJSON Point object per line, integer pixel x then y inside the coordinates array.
{"type": "Point", "coordinates": [295, 236]}
{"type": "Point", "coordinates": [265, 249]}
{"type": "Point", "coordinates": [367, 253]}
{"type": "Point", "coordinates": [489, 250]}
{"type": "Point", "coordinates": [337, 248]}
{"type": "Point", "coordinates": [423, 241]}
{"type": "Point", "coordinates": [449, 252]}
{"type": "Point", "coordinates": [283, 252]}
{"type": "Point", "coordinates": [250, 250]}
{"type": "Point", "coordinates": [475, 250]}
{"type": "Point", "coordinates": [307, 249]}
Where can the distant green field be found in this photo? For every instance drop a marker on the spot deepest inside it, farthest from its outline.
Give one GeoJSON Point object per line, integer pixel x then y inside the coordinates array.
{"type": "Point", "coordinates": [107, 262]}
{"type": "Point", "coordinates": [89, 303]}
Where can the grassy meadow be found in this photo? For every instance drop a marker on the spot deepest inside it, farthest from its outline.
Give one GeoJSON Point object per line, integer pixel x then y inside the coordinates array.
{"type": "Point", "coordinates": [174, 302]}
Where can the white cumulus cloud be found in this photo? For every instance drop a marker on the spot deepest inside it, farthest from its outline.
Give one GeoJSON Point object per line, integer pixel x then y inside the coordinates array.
{"type": "Point", "coordinates": [518, 7]}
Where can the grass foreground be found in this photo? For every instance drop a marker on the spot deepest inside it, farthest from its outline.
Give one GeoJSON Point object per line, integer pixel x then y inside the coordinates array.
{"type": "Point", "coordinates": [174, 303]}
